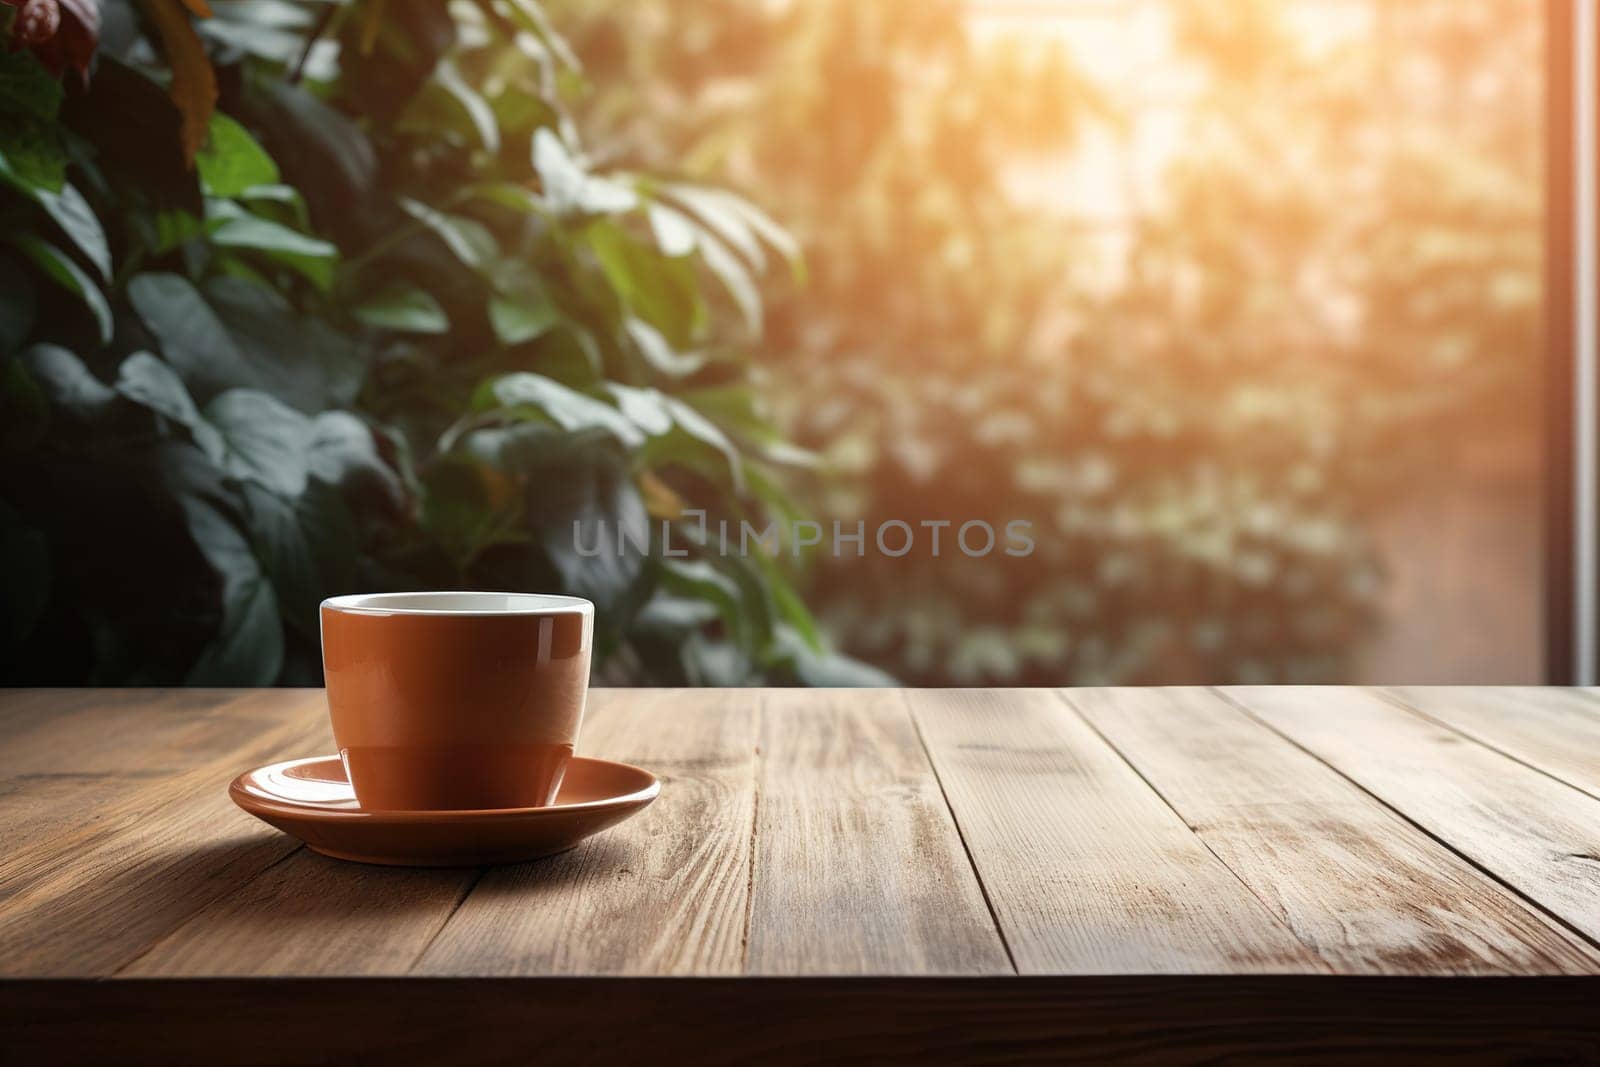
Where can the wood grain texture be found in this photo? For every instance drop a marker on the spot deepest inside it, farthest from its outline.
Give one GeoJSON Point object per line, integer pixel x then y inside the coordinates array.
{"type": "Point", "coordinates": [311, 915]}
{"type": "Point", "coordinates": [664, 893]}
{"type": "Point", "coordinates": [100, 864]}
{"type": "Point", "coordinates": [84, 766]}
{"type": "Point", "coordinates": [858, 866]}
{"type": "Point", "coordinates": [64, 752]}
{"type": "Point", "coordinates": [94, 732]}
{"type": "Point", "coordinates": [1369, 892]}
{"type": "Point", "coordinates": [1555, 730]}
{"type": "Point", "coordinates": [1181, 1019]}
{"type": "Point", "coordinates": [1087, 869]}
{"type": "Point", "coordinates": [832, 833]}
{"type": "Point", "coordinates": [1532, 832]}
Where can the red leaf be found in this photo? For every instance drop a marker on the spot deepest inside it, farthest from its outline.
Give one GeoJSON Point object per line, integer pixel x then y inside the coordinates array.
{"type": "Point", "coordinates": [62, 33]}
{"type": "Point", "coordinates": [38, 21]}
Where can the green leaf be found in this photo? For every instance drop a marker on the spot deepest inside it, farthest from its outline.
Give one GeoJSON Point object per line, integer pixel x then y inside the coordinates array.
{"type": "Point", "coordinates": [769, 231]}
{"type": "Point", "coordinates": [790, 608]}
{"type": "Point", "coordinates": [715, 209]}
{"type": "Point", "coordinates": [511, 196]}
{"type": "Point", "coordinates": [530, 14]}
{"type": "Point", "coordinates": [249, 650]}
{"type": "Point", "coordinates": [284, 553]}
{"type": "Point", "coordinates": [583, 509]}
{"type": "Point", "coordinates": [658, 414]}
{"type": "Point", "coordinates": [659, 289]}
{"type": "Point", "coordinates": [773, 496]}
{"type": "Point", "coordinates": [826, 670]}
{"type": "Point", "coordinates": [737, 406]}
{"type": "Point", "coordinates": [16, 306]}
{"type": "Point", "coordinates": [263, 439]}
{"type": "Point", "coordinates": [148, 381]}
{"type": "Point", "coordinates": [191, 336]}
{"type": "Point", "coordinates": [704, 430]}
{"type": "Point", "coordinates": [311, 256]}
{"type": "Point", "coordinates": [283, 196]}
{"type": "Point", "coordinates": [239, 334]}
{"type": "Point", "coordinates": [569, 353]}
{"type": "Point", "coordinates": [405, 308]}
{"type": "Point", "coordinates": [518, 321]}
{"type": "Point", "coordinates": [167, 230]}
{"type": "Point", "coordinates": [646, 407]}
{"type": "Point", "coordinates": [467, 239]}
{"type": "Point", "coordinates": [306, 546]}
{"type": "Point", "coordinates": [153, 384]}
{"type": "Point", "coordinates": [569, 188]}
{"type": "Point", "coordinates": [31, 154]}
{"type": "Point", "coordinates": [740, 223]}
{"type": "Point", "coordinates": [466, 505]}
{"type": "Point", "coordinates": [26, 88]}
{"type": "Point", "coordinates": [477, 109]}
{"type": "Point", "coordinates": [329, 144]}
{"type": "Point", "coordinates": [66, 382]}
{"type": "Point", "coordinates": [567, 408]}
{"type": "Point", "coordinates": [657, 352]}
{"type": "Point", "coordinates": [710, 662]}
{"type": "Point", "coordinates": [77, 220]}
{"type": "Point", "coordinates": [274, 30]}
{"type": "Point", "coordinates": [231, 161]}
{"type": "Point", "coordinates": [676, 234]}
{"type": "Point", "coordinates": [675, 615]}
{"type": "Point", "coordinates": [59, 268]}
{"type": "Point", "coordinates": [736, 280]}
{"type": "Point", "coordinates": [701, 579]}
{"type": "Point", "coordinates": [342, 454]}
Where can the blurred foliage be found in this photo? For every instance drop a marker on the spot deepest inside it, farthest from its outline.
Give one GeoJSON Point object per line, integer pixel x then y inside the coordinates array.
{"type": "Point", "coordinates": [1341, 272]}
{"type": "Point", "coordinates": [308, 298]}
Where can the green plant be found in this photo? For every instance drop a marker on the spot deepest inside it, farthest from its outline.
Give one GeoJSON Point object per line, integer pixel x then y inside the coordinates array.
{"type": "Point", "coordinates": [1337, 274]}
{"type": "Point", "coordinates": [304, 298]}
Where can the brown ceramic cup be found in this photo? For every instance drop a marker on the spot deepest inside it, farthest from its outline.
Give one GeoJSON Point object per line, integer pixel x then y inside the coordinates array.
{"type": "Point", "coordinates": [451, 701]}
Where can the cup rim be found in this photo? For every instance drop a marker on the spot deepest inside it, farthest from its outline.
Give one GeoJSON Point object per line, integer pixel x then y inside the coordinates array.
{"type": "Point", "coordinates": [526, 604]}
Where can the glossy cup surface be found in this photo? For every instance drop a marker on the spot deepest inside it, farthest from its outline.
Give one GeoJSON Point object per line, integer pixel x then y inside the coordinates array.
{"type": "Point", "coordinates": [446, 701]}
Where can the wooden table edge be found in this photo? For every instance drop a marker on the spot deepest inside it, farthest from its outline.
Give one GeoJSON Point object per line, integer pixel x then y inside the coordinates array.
{"type": "Point", "coordinates": [1160, 1018]}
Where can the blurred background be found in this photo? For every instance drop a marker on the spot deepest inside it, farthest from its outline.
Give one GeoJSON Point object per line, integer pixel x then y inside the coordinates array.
{"type": "Point", "coordinates": [1236, 302]}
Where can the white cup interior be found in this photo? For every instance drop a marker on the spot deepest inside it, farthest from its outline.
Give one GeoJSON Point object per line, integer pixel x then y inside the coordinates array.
{"type": "Point", "coordinates": [459, 603]}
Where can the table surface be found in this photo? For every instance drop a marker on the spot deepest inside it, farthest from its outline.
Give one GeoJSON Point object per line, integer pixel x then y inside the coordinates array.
{"type": "Point", "coordinates": [1189, 832]}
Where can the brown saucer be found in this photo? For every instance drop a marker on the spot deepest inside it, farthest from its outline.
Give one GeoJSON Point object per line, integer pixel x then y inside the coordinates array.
{"type": "Point", "coordinates": [311, 799]}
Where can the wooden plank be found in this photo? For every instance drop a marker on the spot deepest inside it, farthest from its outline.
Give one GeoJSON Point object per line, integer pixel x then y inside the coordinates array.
{"type": "Point", "coordinates": [1532, 832]}
{"type": "Point", "coordinates": [65, 751]}
{"type": "Point", "coordinates": [71, 751]}
{"type": "Point", "coordinates": [1182, 1019]}
{"type": "Point", "coordinates": [107, 732]}
{"type": "Point", "coordinates": [311, 915]}
{"type": "Point", "coordinates": [858, 866]}
{"type": "Point", "coordinates": [71, 754]}
{"type": "Point", "coordinates": [1367, 890]}
{"type": "Point", "coordinates": [1087, 869]}
{"type": "Point", "coordinates": [666, 892]}
{"type": "Point", "coordinates": [91, 884]}
{"type": "Point", "coordinates": [1555, 730]}
{"type": "Point", "coordinates": [64, 804]}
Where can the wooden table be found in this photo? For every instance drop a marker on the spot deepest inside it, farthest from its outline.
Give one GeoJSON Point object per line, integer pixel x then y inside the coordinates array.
{"type": "Point", "coordinates": [984, 874]}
